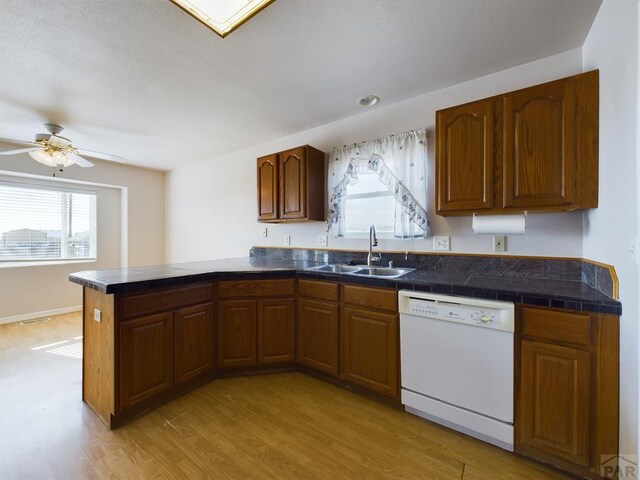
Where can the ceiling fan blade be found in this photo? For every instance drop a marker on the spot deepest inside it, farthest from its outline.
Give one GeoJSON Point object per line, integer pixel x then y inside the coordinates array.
{"type": "Point", "coordinates": [18, 142]}
{"type": "Point", "coordinates": [20, 150]}
{"type": "Point", "coordinates": [102, 156]}
{"type": "Point", "coordinates": [81, 162]}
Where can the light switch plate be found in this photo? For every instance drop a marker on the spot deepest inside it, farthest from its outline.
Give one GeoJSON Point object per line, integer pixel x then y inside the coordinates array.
{"type": "Point", "coordinates": [287, 239]}
{"type": "Point", "coordinates": [264, 232]}
{"type": "Point", "coordinates": [97, 315]}
{"type": "Point", "coordinates": [441, 244]}
{"type": "Point", "coordinates": [499, 243]}
{"type": "Point", "coordinates": [323, 241]}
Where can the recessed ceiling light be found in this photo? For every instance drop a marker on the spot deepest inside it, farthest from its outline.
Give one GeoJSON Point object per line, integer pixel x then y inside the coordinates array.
{"type": "Point", "coordinates": [222, 16]}
{"type": "Point", "coordinates": [368, 101]}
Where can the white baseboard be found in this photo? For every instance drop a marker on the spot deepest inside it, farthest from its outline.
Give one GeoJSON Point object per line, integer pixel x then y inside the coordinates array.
{"type": "Point", "coordinates": [46, 313]}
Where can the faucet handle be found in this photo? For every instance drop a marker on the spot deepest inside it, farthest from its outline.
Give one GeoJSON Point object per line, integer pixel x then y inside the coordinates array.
{"type": "Point", "coordinates": [390, 263]}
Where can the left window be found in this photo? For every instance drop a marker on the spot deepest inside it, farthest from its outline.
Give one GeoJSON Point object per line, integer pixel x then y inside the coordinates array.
{"type": "Point", "coordinates": [41, 223]}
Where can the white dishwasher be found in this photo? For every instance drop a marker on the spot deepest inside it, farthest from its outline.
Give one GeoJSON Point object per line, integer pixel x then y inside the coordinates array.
{"type": "Point", "coordinates": [457, 363]}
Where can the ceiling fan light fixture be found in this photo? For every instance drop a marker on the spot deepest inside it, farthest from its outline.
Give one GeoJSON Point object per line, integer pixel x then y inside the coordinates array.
{"type": "Point", "coordinates": [222, 16]}
{"type": "Point", "coordinates": [43, 157]}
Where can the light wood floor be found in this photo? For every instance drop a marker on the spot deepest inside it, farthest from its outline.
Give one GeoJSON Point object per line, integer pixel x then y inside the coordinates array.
{"type": "Point", "coordinates": [281, 426]}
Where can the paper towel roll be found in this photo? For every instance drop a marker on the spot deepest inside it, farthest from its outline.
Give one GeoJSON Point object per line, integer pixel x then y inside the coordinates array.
{"type": "Point", "coordinates": [499, 224]}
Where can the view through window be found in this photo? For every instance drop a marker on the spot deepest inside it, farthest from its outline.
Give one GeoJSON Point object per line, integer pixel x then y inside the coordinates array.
{"type": "Point", "coordinates": [369, 202]}
{"type": "Point", "coordinates": [42, 223]}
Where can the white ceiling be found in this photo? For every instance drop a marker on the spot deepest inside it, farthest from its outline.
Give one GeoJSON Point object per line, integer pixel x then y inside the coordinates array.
{"type": "Point", "coordinates": [142, 79]}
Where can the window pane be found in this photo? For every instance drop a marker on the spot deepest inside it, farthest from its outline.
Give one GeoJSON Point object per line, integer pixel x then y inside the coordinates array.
{"type": "Point", "coordinates": [38, 223]}
{"type": "Point", "coordinates": [361, 213]}
{"type": "Point", "coordinates": [367, 183]}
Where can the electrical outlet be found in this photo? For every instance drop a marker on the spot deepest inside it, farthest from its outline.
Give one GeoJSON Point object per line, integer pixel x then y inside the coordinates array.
{"type": "Point", "coordinates": [322, 240]}
{"type": "Point", "coordinates": [264, 232]}
{"type": "Point", "coordinates": [287, 239]}
{"type": "Point", "coordinates": [97, 315]}
{"type": "Point", "coordinates": [499, 243]}
{"type": "Point", "coordinates": [633, 250]}
{"type": "Point", "coordinates": [441, 244]}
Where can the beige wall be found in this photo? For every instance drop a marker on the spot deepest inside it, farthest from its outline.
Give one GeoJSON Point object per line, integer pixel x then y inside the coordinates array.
{"type": "Point", "coordinates": [31, 289]}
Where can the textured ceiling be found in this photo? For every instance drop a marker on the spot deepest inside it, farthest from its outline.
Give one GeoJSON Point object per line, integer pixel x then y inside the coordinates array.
{"type": "Point", "coordinates": [142, 79]}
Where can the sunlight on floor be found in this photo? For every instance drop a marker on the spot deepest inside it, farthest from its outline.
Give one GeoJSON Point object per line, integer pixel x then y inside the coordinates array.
{"type": "Point", "coordinates": [64, 348]}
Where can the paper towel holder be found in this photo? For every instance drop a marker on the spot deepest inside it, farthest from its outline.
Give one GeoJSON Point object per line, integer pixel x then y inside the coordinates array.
{"type": "Point", "coordinates": [500, 231]}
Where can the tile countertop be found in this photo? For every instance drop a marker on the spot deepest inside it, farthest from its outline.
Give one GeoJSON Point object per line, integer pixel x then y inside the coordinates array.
{"type": "Point", "coordinates": [552, 293]}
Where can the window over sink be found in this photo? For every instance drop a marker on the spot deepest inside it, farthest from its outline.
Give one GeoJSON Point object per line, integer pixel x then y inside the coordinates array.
{"type": "Point", "coordinates": [380, 182]}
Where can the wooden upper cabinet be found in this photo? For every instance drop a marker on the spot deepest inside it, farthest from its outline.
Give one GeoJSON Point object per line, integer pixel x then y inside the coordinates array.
{"type": "Point", "coordinates": [534, 149]}
{"type": "Point", "coordinates": [540, 146]}
{"type": "Point", "coordinates": [465, 157]}
{"type": "Point", "coordinates": [291, 186]}
{"type": "Point", "coordinates": [268, 188]}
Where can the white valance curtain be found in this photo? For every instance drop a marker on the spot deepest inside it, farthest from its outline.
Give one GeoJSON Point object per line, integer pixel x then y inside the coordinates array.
{"type": "Point", "coordinates": [400, 162]}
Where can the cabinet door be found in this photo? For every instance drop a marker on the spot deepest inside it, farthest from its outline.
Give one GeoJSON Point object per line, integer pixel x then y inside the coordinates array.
{"type": "Point", "coordinates": [237, 325]}
{"type": "Point", "coordinates": [369, 344]}
{"type": "Point", "coordinates": [293, 184]}
{"type": "Point", "coordinates": [464, 157]}
{"type": "Point", "coordinates": [554, 402]}
{"type": "Point", "coordinates": [194, 347]}
{"type": "Point", "coordinates": [146, 358]}
{"type": "Point", "coordinates": [268, 188]}
{"type": "Point", "coordinates": [318, 334]}
{"type": "Point", "coordinates": [275, 331]}
{"type": "Point", "coordinates": [539, 146]}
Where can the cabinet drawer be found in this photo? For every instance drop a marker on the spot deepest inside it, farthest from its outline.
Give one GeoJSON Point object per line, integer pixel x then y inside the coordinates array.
{"type": "Point", "coordinates": [319, 290]}
{"type": "Point", "coordinates": [556, 325]}
{"type": "Point", "coordinates": [164, 300]}
{"type": "Point", "coordinates": [255, 288]}
{"type": "Point", "coordinates": [376, 298]}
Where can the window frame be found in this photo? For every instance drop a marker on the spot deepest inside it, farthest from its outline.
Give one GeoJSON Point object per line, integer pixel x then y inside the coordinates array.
{"type": "Point", "coordinates": [36, 185]}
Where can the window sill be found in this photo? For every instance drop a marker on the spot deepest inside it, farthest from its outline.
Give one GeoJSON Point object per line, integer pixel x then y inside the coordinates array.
{"type": "Point", "coordinates": [42, 263]}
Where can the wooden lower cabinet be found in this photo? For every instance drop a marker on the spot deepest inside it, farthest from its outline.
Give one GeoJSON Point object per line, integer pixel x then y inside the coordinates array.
{"type": "Point", "coordinates": [370, 349]}
{"type": "Point", "coordinates": [318, 335]}
{"type": "Point", "coordinates": [256, 332]}
{"type": "Point", "coordinates": [193, 342]}
{"type": "Point", "coordinates": [145, 358]}
{"type": "Point", "coordinates": [276, 331]}
{"type": "Point", "coordinates": [237, 330]}
{"type": "Point", "coordinates": [566, 388]}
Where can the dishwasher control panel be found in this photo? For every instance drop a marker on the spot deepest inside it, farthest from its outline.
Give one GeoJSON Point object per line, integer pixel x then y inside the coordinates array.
{"type": "Point", "coordinates": [470, 311]}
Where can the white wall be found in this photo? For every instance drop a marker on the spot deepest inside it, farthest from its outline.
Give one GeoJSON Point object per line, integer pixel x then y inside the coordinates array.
{"type": "Point", "coordinates": [211, 205]}
{"type": "Point", "coordinates": [27, 290]}
{"type": "Point", "coordinates": [612, 46]}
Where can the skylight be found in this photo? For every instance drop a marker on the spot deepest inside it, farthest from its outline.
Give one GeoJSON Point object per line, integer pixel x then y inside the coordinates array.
{"type": "Point", "coordinates": [222, 16]}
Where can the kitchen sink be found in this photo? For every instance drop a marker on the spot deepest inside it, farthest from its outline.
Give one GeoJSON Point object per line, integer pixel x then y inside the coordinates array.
{"type": "Point", "coordinates": [336, 268]}
{"type": "Point", "coordinates": [382, 272]}
{"type": "Point", "coordinates": [363, 270]}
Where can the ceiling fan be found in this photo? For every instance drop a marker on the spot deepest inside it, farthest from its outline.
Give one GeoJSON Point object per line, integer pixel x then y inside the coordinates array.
{"type": "Point", "coordinates": [55, 151]}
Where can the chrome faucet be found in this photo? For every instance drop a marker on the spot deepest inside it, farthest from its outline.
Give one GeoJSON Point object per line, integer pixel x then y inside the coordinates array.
{"type": "Point", "coordinates": [373, 242]}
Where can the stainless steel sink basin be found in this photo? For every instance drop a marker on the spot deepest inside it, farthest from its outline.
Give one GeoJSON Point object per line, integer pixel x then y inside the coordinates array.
{"type": "Point", "coordinates": [336, 268]}
{"type": "Point", "coordinates": [382, 272]}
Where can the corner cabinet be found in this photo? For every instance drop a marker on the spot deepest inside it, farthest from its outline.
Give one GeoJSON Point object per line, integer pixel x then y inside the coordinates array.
{"type": "Point", "coordinates": [291, 186]}
{"type": "Point", "coordinates": [566, 388]}
{"type": "Point", "coordinates": [256, 323]}
{"type": "Point", "coordinates": [534, 149]}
